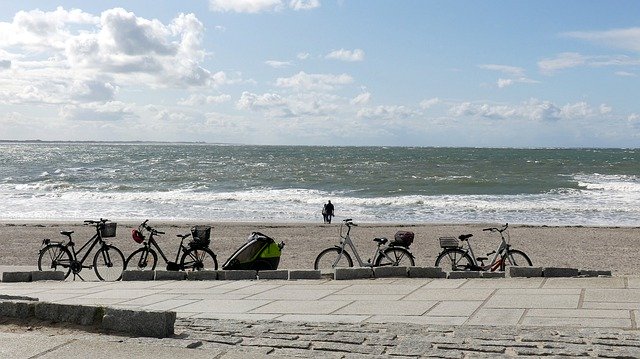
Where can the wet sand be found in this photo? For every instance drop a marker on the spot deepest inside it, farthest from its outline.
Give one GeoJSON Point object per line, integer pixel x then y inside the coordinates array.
{"type": "Point", "coordinates": [603, 248]}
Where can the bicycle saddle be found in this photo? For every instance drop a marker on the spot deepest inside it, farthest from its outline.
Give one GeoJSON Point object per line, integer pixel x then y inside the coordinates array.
{"type": "Point", "coordinates": [380, 240]}
{"type": "Point", "coordinates": [66, 233]}
{"type": "Point", "coordinates": [464, 237]}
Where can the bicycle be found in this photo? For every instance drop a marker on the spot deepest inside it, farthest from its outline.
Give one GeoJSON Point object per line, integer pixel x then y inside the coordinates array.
{"type": "Point", "coordinates": [197, 256]}
{"type": "Point", "coordinates": [108, 262]}
{"type": "Point", "coordinates": [394, 253]}
{"type": "Point", "coordinates": [463, 259]}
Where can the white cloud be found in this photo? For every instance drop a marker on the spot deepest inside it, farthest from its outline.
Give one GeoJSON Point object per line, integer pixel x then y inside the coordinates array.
{"type": "Point", "coordinates": [304, 4]}
{"type": "Point", "coordinates": [625, 74]}
{"type": "Point", "coordinates": [318, 82]}
{"type": "Point", "coordinates": [258, 6]}
{"type": "Point", "coordinates": [626, 39]}
{"type": "Point", "coordinates": [361, 99]}
{"type": "Point", "coordinates": [428, 103]}
{"type": "Point", "coordinates": [200, 99]}
{"type": "Point", "coordinates": [562, 61]}
{"type": "Point", "coordinates": [303, 55]}
{"type": "Point", "coordinates": [245, 6]}
{"type": "Point", "coordinates": [100, 112]}
{"type": "Point", "coordinates": [570, 59]}
{"type": "Point", "coordinates": [509, 70]}
{"type": "Point", "coordinates": [346, 55]}
{"type": "Point", "coordinates": [278, 64]}
{"type": "Point", "coordinates": [254, 102]}
{"type": "Point", "coordinates": [531, 110]}
{"type": "Point", "coordinates": [386, 113]}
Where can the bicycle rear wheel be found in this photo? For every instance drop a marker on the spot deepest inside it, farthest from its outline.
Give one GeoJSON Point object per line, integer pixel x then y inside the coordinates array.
{"type": "Point", "coordinates": [142, 259]}
{"type": "Point", "coordinates": [516, 258]}
{"type": "Point", "coordinates": [331, 258]}
{"type": "Point", "coordinates": [454, 259]}
{"type": "Point", "coordinates": [398, 257]}
{"type": "Point", "coordinates": [55, 257]}
{"type": "Point", "coordinates": [108, 263]}
{"type": "Point", "coordinates": [197, 259]}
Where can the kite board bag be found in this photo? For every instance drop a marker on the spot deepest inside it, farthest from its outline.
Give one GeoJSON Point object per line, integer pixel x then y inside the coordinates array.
{"type": "Point", "coordinates": [260, 252]}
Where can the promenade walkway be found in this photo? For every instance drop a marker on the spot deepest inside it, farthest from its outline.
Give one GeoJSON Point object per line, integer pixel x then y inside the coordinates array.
{"type": "Point", "coordinates": [361, 318]}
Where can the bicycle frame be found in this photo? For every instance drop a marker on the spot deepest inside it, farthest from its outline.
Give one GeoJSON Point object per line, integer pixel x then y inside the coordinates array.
{"type": "Point", "coordinates": [152, 242]}
{"type": "Point", "coordinates": [346, 241]}
{"type": "Point", "coordinates": [497, 262]}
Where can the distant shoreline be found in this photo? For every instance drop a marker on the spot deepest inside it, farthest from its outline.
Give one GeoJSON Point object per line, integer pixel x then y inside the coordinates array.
{"type": "Point", "coordinates": [141, 142]}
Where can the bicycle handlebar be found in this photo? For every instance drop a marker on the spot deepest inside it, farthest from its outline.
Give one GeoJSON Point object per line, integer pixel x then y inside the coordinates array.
{"type": "Point", "coordinates": [100, 221]}
{"type": "Point", "coordinates": [494, 229]}
{"type": "Point", "coordinates": [153, 231]}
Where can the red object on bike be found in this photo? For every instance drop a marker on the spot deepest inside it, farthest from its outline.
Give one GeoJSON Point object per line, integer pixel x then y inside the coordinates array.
{"type": "Point", "coordinates": [137, 236]}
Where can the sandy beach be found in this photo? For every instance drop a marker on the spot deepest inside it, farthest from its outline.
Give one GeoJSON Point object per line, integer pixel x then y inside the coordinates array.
{"type": "Point", "coordinates": [605, 248]}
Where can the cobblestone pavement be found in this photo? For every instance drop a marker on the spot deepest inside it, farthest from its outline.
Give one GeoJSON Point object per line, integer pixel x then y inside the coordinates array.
{"type": "Point", "coordinates": [331, 340]}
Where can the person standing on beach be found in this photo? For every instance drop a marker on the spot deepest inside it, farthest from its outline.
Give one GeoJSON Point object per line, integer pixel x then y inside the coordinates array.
{"type": "Point", "coordinates": [327, 212]}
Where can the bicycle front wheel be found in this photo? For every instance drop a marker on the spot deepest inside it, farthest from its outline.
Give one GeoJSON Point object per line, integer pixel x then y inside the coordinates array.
{"type": "Point", "coordinates": [197, 259]}
{"type": "Point", "coordinates": [142, 259]}
{"type": "Point", "coordinates": [396, 257]}
{"type": "Point", "coordinates": [55, 257]}
{"type": "Point", "coordinates": [455, 260]}
{"type": "Point", "coordinates": [331, 258]}
{"type": "Point", "coordinates": [516, 258]}
{"type": "Point", "coordinates": [108, 263]}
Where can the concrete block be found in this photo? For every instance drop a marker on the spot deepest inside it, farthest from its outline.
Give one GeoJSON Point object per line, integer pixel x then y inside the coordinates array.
{"type": "Point", "coordinates": [385, 272]}
{"type": "Point", "coordinates": [353, 273]}
{"type": "Point", "coordinates": [67, 313]}
{"type": "Point", "coordinates": [17, 297]}
{"type": "Point", "coordinates": [203, 275]}
{"type": "Point", "coordinates": [492, 275]}
{"type": "Point", "coordinates": [426, 272]}
{"type": "Point", "coordinates": [136, 275]}
{"type": "Point", "coordinates": [594, 273]}
{"type": "Point", "coordinates": [559, 272]}
{"type": "Point", "coordinates": [170, 275]}
{"type": "Point", "coordinates": [524, 272]}
{"type": "Point", "coordinates": [236, 274]}
{"type": "Point", "coordinates": [157, 324]}
{"type": "Point", "coordinates": [48, 275]}
{"type": "Point", "coordinates": [305, 274]}
{"type": "Point", "coordinates": [273, 274]}
{"type": "Point", "coordinates": [463, 274]}
{"type": "Point", "coordinates": [12, 277]}
{"type": "Point", "coordinates": [17, 309]}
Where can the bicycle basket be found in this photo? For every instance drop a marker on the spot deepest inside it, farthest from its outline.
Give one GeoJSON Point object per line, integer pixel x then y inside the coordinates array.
{"type": "Point", "coordinates": [449, 242]}
{"type": "Point", "coordinates": [201, 235]}
{"type": "Point", "coordinates": [108, 230]}
{"type": "Point", "coordinates": [403, 238]}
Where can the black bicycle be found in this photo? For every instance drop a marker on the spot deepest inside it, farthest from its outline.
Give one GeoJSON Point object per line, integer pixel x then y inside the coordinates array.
{"type": "Point", "coordinates": [108, 262]}
{"type": "Point", "coordinates": [195, 256]}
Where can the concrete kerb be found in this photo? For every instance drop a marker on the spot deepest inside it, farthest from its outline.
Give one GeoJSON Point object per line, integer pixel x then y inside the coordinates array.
{"type": "Point", "coordinates": [386, 272]}
{"type": "Point", "coordinates": [559, 272]}
{"type": "Point", "coordinates": [12, 277]}
{"type": "Point", "coordinates": [135, 322]}
{"type": "Point", "coordinates": [426, 272]}
{"type": "Point", "coordinates": [353, 273]}
{"type": "Point", "coordinates": [304, 274]}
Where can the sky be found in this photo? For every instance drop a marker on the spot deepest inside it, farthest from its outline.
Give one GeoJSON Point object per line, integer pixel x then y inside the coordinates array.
{"type": "Point", "coordinates": [530, 73]}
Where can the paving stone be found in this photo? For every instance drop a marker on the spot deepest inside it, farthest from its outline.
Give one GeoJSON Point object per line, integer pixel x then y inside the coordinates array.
{"type": "Point", "coordinates": [463, 274]}
{"type": "Point", "coordinates": [17, 309]}
{"type": "Point", "coordinates": [559, 272]}
{"type": "Point", "coordinates": [426, 272]}
{"type": "Point", "coordinates": [273, 274]}
{"type": "Point", "coordinates": [349, 348]}
{"type": "Point", "coordinates": [528, 272]}
{"type": "Point", "coordinates": [158, 324]}
{"type": "Point", "coordinates": [67, 313]}
{"type": "Point", "coordinates": [236, 275]}
{"type": "Point", "coordinates": [13, 277]}
{"type": "Point", "coordinates": [386, 272]}
{"type": "Point", "coordinates": [203, 275]}
{"type": "Point", "coordinates": [137, 275]}
{"type": "Point", "coordinates": [594, 273]}
{"type": "Point", "coordinates": [276, 343]}
{"type": "Point", "coordinates": [304, 274]}
{"type": "Point", "coordinates": [47, 275]}
{"type": "Point", "coordinates": [353, 273]}
{"type": "Point", "coordinates": [170, 275]}
{"type": "Point", "coordinates": [492, 274]}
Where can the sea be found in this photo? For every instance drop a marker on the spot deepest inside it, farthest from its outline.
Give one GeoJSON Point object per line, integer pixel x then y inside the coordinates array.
{"type": "Point", "coordinates": [193, 181]}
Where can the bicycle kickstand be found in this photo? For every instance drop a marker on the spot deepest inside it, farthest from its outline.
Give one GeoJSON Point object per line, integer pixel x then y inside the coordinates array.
{"type": "Point", "coordinates": [79, 276]}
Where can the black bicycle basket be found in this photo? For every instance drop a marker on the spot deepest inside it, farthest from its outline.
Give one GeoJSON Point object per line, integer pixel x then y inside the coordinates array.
{"type": "Point", "coordinates": [403, 238]}
{"type": "Point", "coordinates": [201, 236]}
{"type": "Point", "coordinates": [108, 230]}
